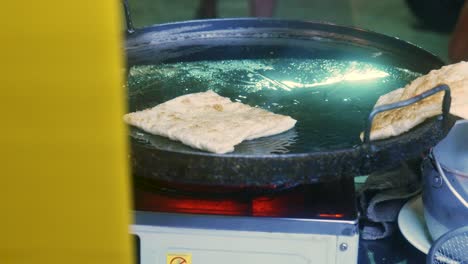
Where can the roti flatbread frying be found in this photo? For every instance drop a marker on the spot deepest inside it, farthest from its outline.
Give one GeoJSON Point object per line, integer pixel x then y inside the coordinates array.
{"type": "Point", "coordinates": [209, 122]}
{"type": "Point", "coordinates": [395, 122]}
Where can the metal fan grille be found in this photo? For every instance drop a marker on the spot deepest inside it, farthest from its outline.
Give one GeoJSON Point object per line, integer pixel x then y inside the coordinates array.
{"type": "Point", "coordinates": [451, 248]}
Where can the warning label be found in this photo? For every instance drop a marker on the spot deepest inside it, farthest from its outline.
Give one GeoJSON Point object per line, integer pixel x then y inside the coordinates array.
{"type": "Point", "coordinates": [178, 258]}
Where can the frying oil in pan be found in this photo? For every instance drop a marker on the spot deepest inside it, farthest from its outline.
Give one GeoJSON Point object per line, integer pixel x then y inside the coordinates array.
{"type": "Point", "coordinates": [330, 99]}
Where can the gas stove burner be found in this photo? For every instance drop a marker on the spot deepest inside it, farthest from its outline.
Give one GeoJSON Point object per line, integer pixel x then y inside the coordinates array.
{"type": "Point", "coordinates": [310, 223]}
{"type": "Point", "coordinates": [315, 223]}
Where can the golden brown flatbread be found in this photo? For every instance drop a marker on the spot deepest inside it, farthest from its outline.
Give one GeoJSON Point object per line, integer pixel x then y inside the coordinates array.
{"type": "Point", "coordinates": [395, 122]}
{"type": "Point", "coordinates": [208, 121]}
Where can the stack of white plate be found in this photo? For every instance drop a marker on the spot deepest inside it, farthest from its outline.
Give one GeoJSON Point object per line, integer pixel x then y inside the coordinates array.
{"type": "Point", "coordinates": [413, 225]}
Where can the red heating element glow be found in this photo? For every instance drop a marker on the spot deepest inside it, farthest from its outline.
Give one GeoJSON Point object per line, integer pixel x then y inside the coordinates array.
{"type": "Point", "coordinates": [293, 204]}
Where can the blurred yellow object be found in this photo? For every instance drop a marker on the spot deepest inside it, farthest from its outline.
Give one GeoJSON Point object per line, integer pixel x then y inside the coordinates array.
{"type": "Point", "coordinates": [64, 184]}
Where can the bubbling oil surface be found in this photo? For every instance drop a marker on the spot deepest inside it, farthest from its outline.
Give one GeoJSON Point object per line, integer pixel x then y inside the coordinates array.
{"type": "Point", "coordinates": [330, 99]}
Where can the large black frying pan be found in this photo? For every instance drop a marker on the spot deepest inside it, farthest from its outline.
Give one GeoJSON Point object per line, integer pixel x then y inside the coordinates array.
{"type": "Point", "coordinates": [169, 60]}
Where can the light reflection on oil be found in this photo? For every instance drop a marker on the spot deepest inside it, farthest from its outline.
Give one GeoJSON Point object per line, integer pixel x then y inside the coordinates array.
{"type": "Point", "coordinates": [352, 74]}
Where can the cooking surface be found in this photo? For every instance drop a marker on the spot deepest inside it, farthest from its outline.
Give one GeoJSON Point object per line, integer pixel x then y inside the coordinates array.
{"type": "Point", "coordinates": [331, 99]}
{"type": "Point", "coordinates": [299, 162]}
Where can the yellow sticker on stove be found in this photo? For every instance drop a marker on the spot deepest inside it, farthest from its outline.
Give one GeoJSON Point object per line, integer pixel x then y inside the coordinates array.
{"type": "Point", "coordinates": [178, 258]}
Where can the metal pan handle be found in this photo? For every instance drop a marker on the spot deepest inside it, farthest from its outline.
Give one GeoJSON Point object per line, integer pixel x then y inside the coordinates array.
{"type": "Point", "coordinates": [128, 17]}
{"type": "Point", "coordinates": [445, 107]}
